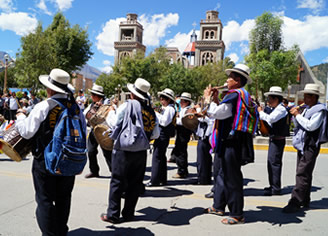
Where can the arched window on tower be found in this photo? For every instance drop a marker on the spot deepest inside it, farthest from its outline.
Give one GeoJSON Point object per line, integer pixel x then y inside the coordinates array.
{"type": "Point", "coordinates": [207, 33]}
{"type": "Point", "coordinates": [207, 57]}
{"type": "Point", "coordinates": [212, 34]}
{"type": "Point", "coordinates": [124, 54]}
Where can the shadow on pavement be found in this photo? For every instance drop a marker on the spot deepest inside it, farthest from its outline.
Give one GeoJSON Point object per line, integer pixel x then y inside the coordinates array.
{"type": "Point", "coordinates": [165, 192]}
{"type": "Point", "coordinates": [246, 181]}
{"type": "Point", "coordinates": [285, 191]}
{"type": "Point", "coordinates": [174, 216]}
{"type": "Point", "coordinates": [273, 215]}
{"type": "Point", "coordinates": [113, 230]}
{"type": "Point", "coordinates": [319, 204]}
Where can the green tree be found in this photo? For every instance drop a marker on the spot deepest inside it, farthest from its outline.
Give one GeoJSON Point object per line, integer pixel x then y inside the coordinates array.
{"type": "Point", "coordinates": [58, 46]}
{"type": "Point", "coordinates": [270, 63]}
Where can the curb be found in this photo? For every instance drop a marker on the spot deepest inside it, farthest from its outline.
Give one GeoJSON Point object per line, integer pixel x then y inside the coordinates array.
{"type": "Point", "coordinates": [264, 147]}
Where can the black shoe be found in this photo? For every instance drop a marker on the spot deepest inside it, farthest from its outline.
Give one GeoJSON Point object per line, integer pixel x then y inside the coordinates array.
{"type": "Point", "coordinates": [91, 175]}
{"type": "Point", "coordinates": [276, 192]}
{"type": "Point", "coordinates": [112, 220]}
{"type": "Point", "coordinates": [209, 195]}
{"type": "Point", "coordinates": [291, 208]}
{"type": "Point", "coordinates": [150, 184]}
{"type": "Point", "coordinates": [267, 192]}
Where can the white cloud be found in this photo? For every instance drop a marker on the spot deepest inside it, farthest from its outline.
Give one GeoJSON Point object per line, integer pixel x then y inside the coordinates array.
{"type": "Point", "coordinates": [109, 34]}
{"type": "Point", "coordinates": [315, 5]}
{"type": "Point", "coordinates": [155, 27]}
{"type": "Point", "coordinates": [218, 5]}
{"type": "Point", "coordinates": [6, 5]}
{"type": "Point", "coordinates": [42, 5]}
{"type": "Point", "coordinates": [63, 4]}
{"type": "Point", "coordinates": [107, 67]}
{"type": "Point", "coordinates": [234, 32]}
{"type": "Point", "coordinates": [19, 22]}
{"type": "Point", "coordinates": [310, 34]}
{"type": "Point", "coordinates": [234, 57]}
{"type": "Point", "coordinates": [180, 40]}
{"type": "Point", "coordinates": [325, 60]}
{"type": "Point", "coordinates": [244, 48]}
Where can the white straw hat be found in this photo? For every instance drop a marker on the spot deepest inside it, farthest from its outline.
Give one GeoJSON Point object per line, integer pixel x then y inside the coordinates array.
{"type": "Point", "coordinates": [242, 70]}
{"type": "Point", "coordinates": [97, 89]}
{"type": "Point", "coordinates": [186, 96]}
{"type": "Point", "coordinates": [312, 89]}
{"type": "Point", "coordinates": [56, 81]}
{"type": "Point", "coordinates": [140, 88]}
{"type": "Point", "coordinates": [167, 93]}
{"type": "Point", "coordinates": [274, 90]}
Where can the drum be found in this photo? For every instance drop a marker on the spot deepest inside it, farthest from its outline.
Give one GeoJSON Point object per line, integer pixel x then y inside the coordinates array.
{"type": "Point", "coordinates": [190, 120]}
{"type": "Point", "coordinates": [13, 145]}
{"type": "Point", "coordinates": [102, 136]}
{"type": "Point", "coordinates": [97, 114]}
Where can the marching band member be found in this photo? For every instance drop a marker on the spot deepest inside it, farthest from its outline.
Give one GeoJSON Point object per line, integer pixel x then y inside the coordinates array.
{"type": "Point", "coordinates": [234, 146]}
{"type": "Point", "coordinates": [279, 129]}
{"type": "Point", "coordinates": [97, 95]}
{"type": "Point", "coordinates": [306, 140]}
{"type": "Point", "coordinates": [182, 138]}
{"type": "Point", "coordinates": [128, 167]}
{"type": "Point", "coordinates": [166, 119]}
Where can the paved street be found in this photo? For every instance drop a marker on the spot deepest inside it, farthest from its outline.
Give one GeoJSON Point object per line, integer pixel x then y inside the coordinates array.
{"type": "Point", "coordinates": [172, 210]}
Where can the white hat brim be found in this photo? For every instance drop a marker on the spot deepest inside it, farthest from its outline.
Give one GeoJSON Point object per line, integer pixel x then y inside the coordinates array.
{"type": "Point", "coordinates": [44, 79]}
{"type": "Point", "coordinates": [135, 92]}
{"type": "Point", "coordinates": [311, 92]}
{"type": "Point", "coordinates": [96, 92]}
{"type": "Point", "coordinates": [273, 94]}
{"type": "Point", "coordinates": [166, 95]}
{"type": "Point", "coordinates": [228, 71]}
{"type": "Point", "coordinates": [185, 98]}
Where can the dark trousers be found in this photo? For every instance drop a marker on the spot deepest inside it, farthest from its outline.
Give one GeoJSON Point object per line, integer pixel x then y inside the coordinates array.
{"type": "Point", "coordinates": [12, 114]}
{"type": "Point", "coordinates": [181, 146]}
{"type": "Point", "coordinates": [219, 201]}
{"type": "Point", "coordinates": [204, 161]}
{"type": "Point", "coordinates": [274, 164]}
{"type": "Point", "coordinates": [159, 164]}
{"type": "Point", "coordinates": [304, 170]}
{"type": "Point", "coordinates": [128, 170]}
{"type": "Point", "coordinates": [53, 197]}
{"type": "Point", "coordinates": [92, 154]}
{"type": "Point", "coordinates": [230, 179]}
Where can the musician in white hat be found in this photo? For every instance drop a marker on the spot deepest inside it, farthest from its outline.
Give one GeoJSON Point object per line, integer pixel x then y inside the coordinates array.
{"type": "Point", "coordinates": [308, 127]}
{"type": "Point", "coordinates": [277, 121]}
{"type": "Point", "coordinates": [166, 119]}
{"type": "Point", "coordinates": [52, 193]}
{"type": "Point", "coordinates": [182, 138]}
{"type": "Point", "coordinates": [97, 96]}
{"type": "Point", "coordinates": [128, 167]}
{"type": "Point", "coordinates": [233, 143]}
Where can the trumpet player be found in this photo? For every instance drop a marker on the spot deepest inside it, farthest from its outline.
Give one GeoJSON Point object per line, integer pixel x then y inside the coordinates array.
{"type": "Point", "coordinates": [279, 129]}
{"type": "Point", "coordinates": [234, 143]}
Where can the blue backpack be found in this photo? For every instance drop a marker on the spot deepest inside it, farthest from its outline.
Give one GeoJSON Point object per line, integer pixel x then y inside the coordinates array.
{"type": "Point", "coordinates": [65, 155]}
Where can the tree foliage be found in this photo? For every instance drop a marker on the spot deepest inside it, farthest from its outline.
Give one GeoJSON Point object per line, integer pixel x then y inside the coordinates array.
{"type": "Point", "coordinates": [58, 46]}
{"type": "Point", "coordinates": [270, 63]}
{"type": "Point", "coordinates": [157, 69]}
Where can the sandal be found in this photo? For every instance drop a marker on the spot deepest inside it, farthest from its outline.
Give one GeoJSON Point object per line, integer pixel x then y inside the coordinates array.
{"type": "Point", "coordinates": [233, 220]}
{"type": "Point", "coordinates": [211, 210]}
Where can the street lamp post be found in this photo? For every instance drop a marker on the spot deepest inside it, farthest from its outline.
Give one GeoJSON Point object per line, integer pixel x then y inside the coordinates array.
{"type": "Point", "coordinates": [118, 89]}
{"type": "Point", "coordinates": [8, 63]}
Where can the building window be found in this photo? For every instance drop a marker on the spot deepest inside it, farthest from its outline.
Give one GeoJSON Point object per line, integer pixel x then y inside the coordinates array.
{"type": "Point", "coordinates": [207, 33]}
{"type": "Point", "coordinates": [212, 34]}
{"type": "Point", "coordinates": [207, 57]}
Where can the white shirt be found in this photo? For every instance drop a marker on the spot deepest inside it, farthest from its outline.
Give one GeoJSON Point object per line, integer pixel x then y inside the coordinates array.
{"type": "Point", "coordinates": [166, 116]}
{"type": "Point", "coordinates": [80, 101]}
{"type": "Point", "coordinates": [208, 131]}
{"type": "Point", "coordinates": [220, 112]}
{"type": "Point", "coordinates": [28, 126]}
{"type": "Point", "coordinates": [277, 114]}
{"type": "Point", "coordinates": [13, 103]}
{"type": "Point", "coordinates": [115, 118]}
{"type": "Point", "coordinates": [181, 115]}
{"type": "Point", "coordinates": [312, 124]}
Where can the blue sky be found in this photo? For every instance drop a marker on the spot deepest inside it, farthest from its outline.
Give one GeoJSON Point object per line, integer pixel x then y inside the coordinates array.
{"type": "Point", "coordinates": [169, 23]}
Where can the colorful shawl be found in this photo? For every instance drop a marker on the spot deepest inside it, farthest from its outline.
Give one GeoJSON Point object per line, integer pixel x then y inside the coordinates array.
{"type": "Point", "coordinates": [245, 120]}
